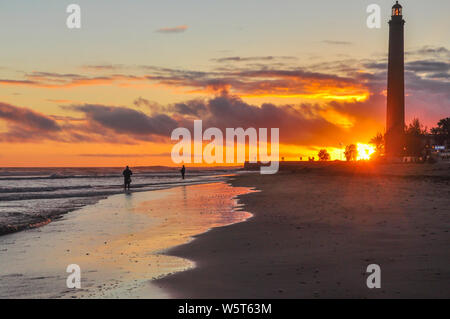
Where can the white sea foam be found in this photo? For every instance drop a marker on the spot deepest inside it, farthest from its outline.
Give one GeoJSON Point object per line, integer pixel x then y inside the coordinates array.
{"type": "Point", "coordinates": [31, 197]}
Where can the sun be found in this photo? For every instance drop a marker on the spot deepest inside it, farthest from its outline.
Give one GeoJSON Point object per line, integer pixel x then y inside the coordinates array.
{"type": "Point", "coordinates": [364, 151]}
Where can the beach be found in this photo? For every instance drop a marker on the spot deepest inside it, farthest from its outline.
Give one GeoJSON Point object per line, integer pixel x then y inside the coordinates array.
{"type": "Point", "coordinates": [309, 231]}
{"type": "Point", "coordinates": [118, 243]}
{"type": "Point", "coordinates": [316, 228]}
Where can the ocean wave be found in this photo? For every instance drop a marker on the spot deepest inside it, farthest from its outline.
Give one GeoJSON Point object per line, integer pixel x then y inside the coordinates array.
{"type": "Point", "coordinates": [103, 176]}
{"type": "Point", "coordinates": [23, 193]}
{"type": "Point", "coordinates": [40, 189]}
{"type": "Point", "coordinates": [32, 201]}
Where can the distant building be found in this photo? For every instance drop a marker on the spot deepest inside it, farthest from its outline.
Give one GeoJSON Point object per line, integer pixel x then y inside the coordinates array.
{"type": "Point", "coordinates": [432, 149]}
{"type": "Point", "coordinates": [439, 150]}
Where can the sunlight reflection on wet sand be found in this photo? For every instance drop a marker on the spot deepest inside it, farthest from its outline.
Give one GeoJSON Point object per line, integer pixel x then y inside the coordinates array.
{"type": "Point", "coordinates": [118, 243]}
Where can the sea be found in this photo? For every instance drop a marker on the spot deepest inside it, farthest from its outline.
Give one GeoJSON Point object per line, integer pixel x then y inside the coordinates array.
{"type": "Point", "coordinates": [33, 197]}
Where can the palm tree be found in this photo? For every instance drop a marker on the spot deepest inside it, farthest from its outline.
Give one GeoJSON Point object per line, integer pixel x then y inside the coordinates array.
{"type": "Point", "coordinates": [351, 152]}
{"type": "Point", "coordinates": [378, 141]}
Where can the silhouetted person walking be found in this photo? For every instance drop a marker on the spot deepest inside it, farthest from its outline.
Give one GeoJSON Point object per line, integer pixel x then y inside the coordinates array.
{"type": "Point", "coordinates": [183, 171]}
{"type": "Point", "coordinates": [127, 177]}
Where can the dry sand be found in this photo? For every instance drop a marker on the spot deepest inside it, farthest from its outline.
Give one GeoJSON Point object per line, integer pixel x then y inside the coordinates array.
{"type": "Point", "coordinates": [317, 227]}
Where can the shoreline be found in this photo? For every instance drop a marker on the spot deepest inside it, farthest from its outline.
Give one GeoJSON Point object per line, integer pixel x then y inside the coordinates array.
{"type": "Point", "coordinates": [119, 243]}
{"type": "Point", "coordinates": [78, 202]}
{"type": "Point", "coordinates": [314, 232]}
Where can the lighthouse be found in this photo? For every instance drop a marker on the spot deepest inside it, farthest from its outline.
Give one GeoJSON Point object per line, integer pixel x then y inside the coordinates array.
{"type": "Point", "coordinates": [395, 114]}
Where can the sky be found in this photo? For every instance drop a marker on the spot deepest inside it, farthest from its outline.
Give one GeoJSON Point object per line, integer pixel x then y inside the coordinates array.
{"type": "Point", "coordinates": [111, 92]}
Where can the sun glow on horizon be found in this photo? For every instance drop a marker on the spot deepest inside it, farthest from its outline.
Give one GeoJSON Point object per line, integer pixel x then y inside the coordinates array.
{"type": "Point", "coordinates": [365, 151]}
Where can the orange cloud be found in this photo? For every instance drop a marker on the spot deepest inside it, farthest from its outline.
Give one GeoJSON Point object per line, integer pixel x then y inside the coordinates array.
{"type": "Point", "coordinates": [64, 81]}
{"type": "Point", "coordinates": [177, 29]}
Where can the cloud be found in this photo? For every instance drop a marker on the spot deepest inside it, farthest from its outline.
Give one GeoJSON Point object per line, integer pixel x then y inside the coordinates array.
{"type": "Point", "coordinates": [23, 123]}
{"type": "Point", "coordinates": [429, 51]}
{"type": "Point", "coordinates": [177, 29]}
{"type": "Point", "coordinates": [262, 82]}
{"type": "Point", "coordinates": [124, 120]}
{"type": "Point", "coordinates": [332, 42]}
{"type": "Point", "coordinates": [18, 82]}
{"type": "Point", "coordinates": [253, 59]}
{"type": "Point", "coordinates": [103, 67]}
{"type": "Point", "coordinates": [100, 124]}
{"type": "Point", "coordinates": [272, 77]}
{"type": "Point", "coordinates": [439, 76]}
{"type": "Point", "coordinates": [125, 155]}
{"type": "Point", "coordinates": [60, 101]}
{"type": "Point", "coordinates": [426, 66]}
{"type": "Point", "coordinates": [302, 124]}
{"type": "Point", "coordinates": [349, 95]}
{"type": "Point", "coordinates": [62, 81]}
{"type": "Point", "coordinates": [27, 118]}
{"type": "Point", "coordinates": [425, 76]}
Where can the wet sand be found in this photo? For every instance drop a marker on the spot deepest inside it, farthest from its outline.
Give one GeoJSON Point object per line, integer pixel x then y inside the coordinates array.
{"type": "Point", "coordinates": [118, 243]}
{"type": "Point", "coordinates": [317, 227]}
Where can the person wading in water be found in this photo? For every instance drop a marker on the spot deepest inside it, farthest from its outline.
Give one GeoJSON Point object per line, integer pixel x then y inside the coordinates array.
{"type": "Point", "coordinates": [127, 178]}
{"type": "Point", "coordinates": [183, 171]}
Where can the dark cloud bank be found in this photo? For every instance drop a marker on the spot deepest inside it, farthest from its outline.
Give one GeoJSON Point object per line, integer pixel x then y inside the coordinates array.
{"type": "Point", "coordinates": [299, 124]}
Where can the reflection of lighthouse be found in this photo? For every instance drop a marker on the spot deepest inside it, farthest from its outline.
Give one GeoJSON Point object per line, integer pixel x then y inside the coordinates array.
{"type": "Point", "coordinates": [395, 115]}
